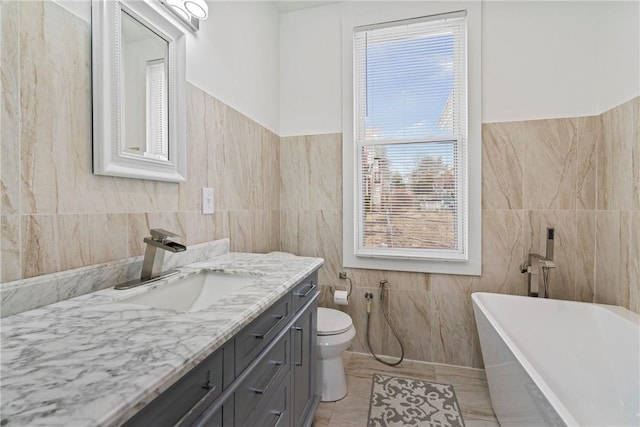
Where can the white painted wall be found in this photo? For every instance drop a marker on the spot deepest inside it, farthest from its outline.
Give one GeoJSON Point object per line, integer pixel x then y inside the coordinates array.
{"type": "Point", "coordinates": [234, 57]}
{"type": "Point", "coordinates": [618, 53]}
{"type": "Point", "coordinates": [539, 60]}
{"type": "Point", "coordinates": [559, 59]}
{"type": "Point", "coordinates": [311, 71]}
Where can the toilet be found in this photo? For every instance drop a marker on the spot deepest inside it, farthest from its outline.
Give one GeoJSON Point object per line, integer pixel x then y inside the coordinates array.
{"type": "Point", "coordinates": [335, 333]}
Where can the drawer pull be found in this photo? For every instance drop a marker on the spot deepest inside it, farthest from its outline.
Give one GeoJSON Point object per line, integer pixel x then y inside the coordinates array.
{"type": "Point", "coordinates": [257, 390]}
{"type": "Point", "coordinates": [278, 415]}
{"type": "Point", "coordinates": [207, 385]}
{"type": "Point", "coordinates": [262, 390]}
{"type": "Point", "coordinates": [299, 329]}
{"type": "Point", "coordinates": [280, 317]}
{"type": "Point", "coordinates": [204, 400]}
{"type": "Point", "coordinates": [312, 286]}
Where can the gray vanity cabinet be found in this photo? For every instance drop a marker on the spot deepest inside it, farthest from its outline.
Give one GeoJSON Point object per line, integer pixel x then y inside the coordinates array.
{"type": "Point", "coordinates": [253, 339]}
{"type": "Point", "coordinates": [263, 376]}
{"type": "Point", "coordinates": [304, 401]}
{"type": "Point", "coordinates": [276, 411]}
{"type": "Point", "coordinates": [259, 386]}
{"type": "Point", "coordinates": [198, 388]}
{"type": "Point", "coordinates": [220, 415]}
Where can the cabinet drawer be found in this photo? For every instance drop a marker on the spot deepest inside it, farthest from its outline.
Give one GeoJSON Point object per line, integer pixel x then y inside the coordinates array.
{"type": "Point", "coordinates": [219, 414]}
{"type": "Point", "coordinates": [260, 384]}
{"type": "Point", "coordinates": [304, 291]}
{"type": "Point", "coordinates": [202, 384]}
{"type": "Point", "coordinates": [276, 412]}
{"type": "Point", "coordinates": [255, 337]}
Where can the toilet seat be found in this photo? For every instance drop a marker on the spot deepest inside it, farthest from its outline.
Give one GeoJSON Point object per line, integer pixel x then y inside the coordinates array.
{"type": "Point", "coordinates": [332, 322]}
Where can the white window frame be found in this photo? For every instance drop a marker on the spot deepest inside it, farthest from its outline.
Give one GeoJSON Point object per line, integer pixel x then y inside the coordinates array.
{"type": "Point", "coordinates": [470, 264]}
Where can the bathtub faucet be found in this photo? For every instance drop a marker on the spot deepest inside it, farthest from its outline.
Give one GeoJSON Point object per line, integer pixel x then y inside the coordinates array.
{"type": "Point", "coordinates": [537, 267]}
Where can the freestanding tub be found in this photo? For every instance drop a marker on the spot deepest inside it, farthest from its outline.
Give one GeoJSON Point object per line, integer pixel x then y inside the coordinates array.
{"type": "Point", "coordinates": [551, 362]}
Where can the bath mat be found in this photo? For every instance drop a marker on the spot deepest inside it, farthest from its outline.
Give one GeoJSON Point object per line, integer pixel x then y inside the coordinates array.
{"type": "Point", "coordinates": [407, 402]}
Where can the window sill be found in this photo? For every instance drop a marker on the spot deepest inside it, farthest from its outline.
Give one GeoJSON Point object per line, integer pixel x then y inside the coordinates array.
{"type": "Point", "coordinates": [465, 268]}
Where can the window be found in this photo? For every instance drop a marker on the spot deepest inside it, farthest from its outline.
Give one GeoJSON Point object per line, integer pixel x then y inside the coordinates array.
{"type": "Point", "coordinates": [157, 133]}
{"type": "Point", "coordinates": [409, 165]}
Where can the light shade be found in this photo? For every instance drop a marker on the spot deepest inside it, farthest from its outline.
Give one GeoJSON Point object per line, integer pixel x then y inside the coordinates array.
{"type": "Point", "coordinates": [197, 8]}
{"type": "Point", "coordinates": [177, 7]}
{"type": "Point", "coordinates": [186, 9]}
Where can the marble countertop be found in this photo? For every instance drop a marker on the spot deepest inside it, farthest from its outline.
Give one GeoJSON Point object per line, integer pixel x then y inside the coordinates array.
{"type": "Point", "coordinates": [94, 361]}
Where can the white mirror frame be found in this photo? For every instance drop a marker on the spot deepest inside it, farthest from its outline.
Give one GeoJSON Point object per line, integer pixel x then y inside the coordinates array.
{"type": "Point", "coordinates": [108, 157]}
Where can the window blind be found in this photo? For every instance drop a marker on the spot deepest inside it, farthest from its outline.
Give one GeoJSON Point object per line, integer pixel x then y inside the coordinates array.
{"type": "Point", "coordinates": [410, 136]}
{"type": "Point", "coordinates": [157, 131]}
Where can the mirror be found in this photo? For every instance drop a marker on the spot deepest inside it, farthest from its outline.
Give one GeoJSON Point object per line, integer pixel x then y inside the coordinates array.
{"type": "Point", "coordinates": [138, 68]}
{"type": "Point", "coordinates": [144, 111]}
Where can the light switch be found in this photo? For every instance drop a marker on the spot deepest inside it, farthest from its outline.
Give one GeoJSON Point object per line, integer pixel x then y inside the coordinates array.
{"type": "Point", "coordinates": [207, 201]}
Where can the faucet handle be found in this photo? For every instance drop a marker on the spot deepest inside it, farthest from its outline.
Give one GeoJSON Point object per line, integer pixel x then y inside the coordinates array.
{"type": "Point", "coordinates": [160, 235]}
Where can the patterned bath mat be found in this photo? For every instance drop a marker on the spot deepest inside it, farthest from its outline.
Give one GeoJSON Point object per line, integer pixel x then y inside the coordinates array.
{"type": "Point", "coordinates": [408, 402]}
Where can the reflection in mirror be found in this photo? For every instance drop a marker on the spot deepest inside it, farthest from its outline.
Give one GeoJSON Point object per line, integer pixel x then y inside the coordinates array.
{"type": "Point", "coordinates": [144, 74]}
{"type": "Point", "coordinates": [138, 67]}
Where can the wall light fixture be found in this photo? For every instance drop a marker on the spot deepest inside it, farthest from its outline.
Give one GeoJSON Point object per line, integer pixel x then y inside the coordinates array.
{"type": "Point", "coordinates": [190, 11]}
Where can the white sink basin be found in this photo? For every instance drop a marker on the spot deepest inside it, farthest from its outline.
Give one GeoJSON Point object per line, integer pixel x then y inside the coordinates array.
{"type": "Point", "coordinates": [193, 293]}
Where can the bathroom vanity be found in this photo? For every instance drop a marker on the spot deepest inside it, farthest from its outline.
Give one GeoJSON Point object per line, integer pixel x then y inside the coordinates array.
{"type": "Point", "coordinates": [263, 376]}
{"type": "Point", "coordinates": [101, 360]}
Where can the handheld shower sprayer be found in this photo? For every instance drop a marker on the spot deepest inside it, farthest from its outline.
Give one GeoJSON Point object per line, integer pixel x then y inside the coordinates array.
{"type": "Point", "coordinates": [369, 297]}
{"type": "Point", "coordinates": [383, 283]}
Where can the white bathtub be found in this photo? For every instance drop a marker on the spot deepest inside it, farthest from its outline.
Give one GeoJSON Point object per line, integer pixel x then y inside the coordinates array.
{"type": "Point", "coordinates": [552, 362]}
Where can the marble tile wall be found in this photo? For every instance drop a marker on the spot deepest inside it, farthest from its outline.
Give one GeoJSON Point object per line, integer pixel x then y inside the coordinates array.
{"type": "Point", "coordinates": [617, 217]}
{"type": "Point", "coordinates": [580, 176]}
{"type": "Point", "coordinates": [56, 215]}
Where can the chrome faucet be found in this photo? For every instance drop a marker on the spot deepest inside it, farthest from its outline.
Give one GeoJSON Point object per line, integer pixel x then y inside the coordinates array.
{"type": "Point", "coordinates": [538, 265]}
{"type": "Point", "coordinates": [157, 244]}
{"type": "Point", "coordinates": [153, 258]}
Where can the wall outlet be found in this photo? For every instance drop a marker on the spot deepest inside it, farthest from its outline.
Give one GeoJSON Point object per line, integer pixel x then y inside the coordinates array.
{"type": "Point", "coordinates": [207, 201]}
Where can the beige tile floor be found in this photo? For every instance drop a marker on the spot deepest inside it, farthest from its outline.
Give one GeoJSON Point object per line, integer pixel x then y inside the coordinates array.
{"type": "Point", "coordinates": [469, 384]}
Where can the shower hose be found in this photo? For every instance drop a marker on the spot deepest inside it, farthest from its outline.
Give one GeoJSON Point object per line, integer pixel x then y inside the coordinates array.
{"type": "Point", "coordinates": [395, 334]}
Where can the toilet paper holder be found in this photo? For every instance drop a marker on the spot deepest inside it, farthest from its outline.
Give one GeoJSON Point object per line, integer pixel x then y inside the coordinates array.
{"type": "Point", "coordinates": [343, 275]}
